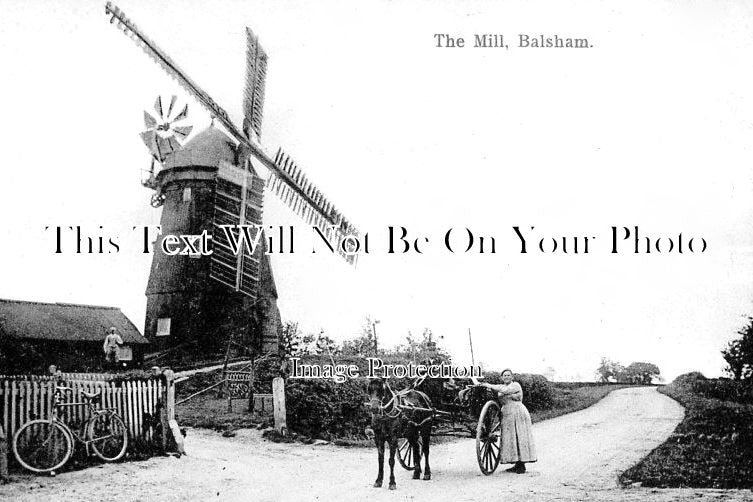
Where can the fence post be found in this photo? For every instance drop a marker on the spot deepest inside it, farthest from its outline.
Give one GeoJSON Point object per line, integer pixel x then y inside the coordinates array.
{"type": "Point", "coordinates": [172, 425]}
{"type": "Point", "coordinates": [169, 393]}
{"type": "Point", "coordinates": [165, 413]}
{"type": "Point", "coordinates": [278, 393]}
{"type": "Point", "coordinates": [3, 456]}
{"type": "Point", "coordinates": [251, 385]}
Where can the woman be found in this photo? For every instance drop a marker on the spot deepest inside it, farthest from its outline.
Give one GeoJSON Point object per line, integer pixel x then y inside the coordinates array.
{"type": "Point", "coordinates": [517, 440]}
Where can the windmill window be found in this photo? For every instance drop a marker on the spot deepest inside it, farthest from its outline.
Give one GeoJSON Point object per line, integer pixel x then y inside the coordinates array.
{"type": "Point", "coordinates": [187, 194]}
{"type": "Point", "coordinates": [163, 326]}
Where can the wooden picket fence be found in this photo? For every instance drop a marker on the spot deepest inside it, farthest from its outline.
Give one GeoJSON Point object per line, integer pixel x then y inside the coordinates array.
{"type": "Point", "coordinates": [24, 398]}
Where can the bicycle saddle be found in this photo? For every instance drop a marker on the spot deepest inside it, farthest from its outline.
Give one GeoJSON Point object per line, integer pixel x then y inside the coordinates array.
{"type": "Point", "coordinates": [92, 396]}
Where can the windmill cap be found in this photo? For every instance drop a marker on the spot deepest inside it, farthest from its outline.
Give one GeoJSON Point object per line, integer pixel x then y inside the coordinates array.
{"type": "Point", "coordinates": [207, 149]}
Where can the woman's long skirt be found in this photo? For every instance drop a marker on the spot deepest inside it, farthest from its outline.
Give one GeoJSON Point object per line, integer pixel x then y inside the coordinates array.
{"type": "Point", "coordinates": [517, 440]}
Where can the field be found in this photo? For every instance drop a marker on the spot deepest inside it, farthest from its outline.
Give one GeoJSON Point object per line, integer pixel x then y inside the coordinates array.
{"type": "Point", "coordinates": [712, 447]}
{"type": "Point", "coordinates": [574, 396]}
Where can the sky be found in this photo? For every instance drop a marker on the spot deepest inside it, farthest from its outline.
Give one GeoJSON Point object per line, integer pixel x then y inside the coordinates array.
{"type": "Point", "coordinates": [650, 127]}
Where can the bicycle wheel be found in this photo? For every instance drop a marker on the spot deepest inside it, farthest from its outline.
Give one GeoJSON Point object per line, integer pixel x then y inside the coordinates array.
{"type": "Point", "coordinates": [42, 445]}
{"type": "Point", "coordinates": [108, 435]}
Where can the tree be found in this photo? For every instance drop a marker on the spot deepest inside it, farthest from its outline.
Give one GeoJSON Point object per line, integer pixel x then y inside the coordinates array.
{"type": "Point", "coordinates": [293, 343]}
{"type": "Point", "coordinates": [364, 344]}
{"type": "Point", "coordinates": [421, 349]}
{"type": "Point", "coordinates": [609, 371]}
{"type": "Point", "coordinates": [639, 372]}
{"type": "Point", "coordinates": [290, 340]}
{"type": "Point", "coordinates": [550, 373]}
{"type": "Point", "coordinates": [308, 346]}
{"type": "Point", "coordinates": [429, 351]}
{"type": "Point", "coordinates": [410, 349]}
{"type": "Point", "coordinates": [326, 345]}
{"type": "Point", "coordinates": [739, 353]}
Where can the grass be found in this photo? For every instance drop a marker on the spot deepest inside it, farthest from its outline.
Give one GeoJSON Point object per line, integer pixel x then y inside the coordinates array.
{"type": "Point", "coordinates": [208, 411]}
{"type": "Point", "coordinates": [569, 397]}
{"type": "Point", "coordinates": [711, 448]}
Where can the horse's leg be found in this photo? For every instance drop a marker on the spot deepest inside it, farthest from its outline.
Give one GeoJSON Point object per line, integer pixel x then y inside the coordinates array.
{"type": "Point", "coordinates": [411, 434]}
{"type": "Point", "coordinates": [379, 440]}
{"type": "Point", "coordinates": [393, 449]}
{"type": "Point", "coordinates": [425, 439]}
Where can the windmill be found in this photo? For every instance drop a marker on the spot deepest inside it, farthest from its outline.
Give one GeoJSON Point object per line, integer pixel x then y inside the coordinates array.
{"type": "Point", "coordinates": [210, 183]}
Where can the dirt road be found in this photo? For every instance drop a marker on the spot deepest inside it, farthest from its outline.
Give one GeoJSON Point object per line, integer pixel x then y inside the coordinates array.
{"type": "Point", "coordinates": [580, 455]}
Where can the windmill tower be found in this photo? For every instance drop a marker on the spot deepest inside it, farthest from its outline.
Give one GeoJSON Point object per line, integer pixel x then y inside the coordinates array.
{"type": "Point", "coordinates": [211, 183]}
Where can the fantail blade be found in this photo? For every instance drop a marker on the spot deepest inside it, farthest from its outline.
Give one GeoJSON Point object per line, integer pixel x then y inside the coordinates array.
{"type": "Point", "coordinates": [172, 103]}
{"type": "Point", "coordinates": [149, 121]}
{"type": "Point", "coordinates": [158, 107]}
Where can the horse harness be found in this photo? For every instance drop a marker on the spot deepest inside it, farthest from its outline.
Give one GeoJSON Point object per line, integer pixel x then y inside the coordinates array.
{"type": "Point", "coordinates": [396, 407]}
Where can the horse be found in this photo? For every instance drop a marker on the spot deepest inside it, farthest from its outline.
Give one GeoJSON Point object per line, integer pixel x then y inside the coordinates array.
{"type": "Point", "coordinates": [407, 413]}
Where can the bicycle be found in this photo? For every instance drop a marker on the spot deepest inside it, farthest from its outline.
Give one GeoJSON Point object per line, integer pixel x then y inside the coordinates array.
{"type": "Point", "coordinates": [45, 445]}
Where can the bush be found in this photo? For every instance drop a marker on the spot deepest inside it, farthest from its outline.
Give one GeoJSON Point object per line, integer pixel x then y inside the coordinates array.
{"type": "Point", "coordinates": [724, 389]}
{"type": "Point", "coordinates": [538, 392]}
{"type": "Point", "coordinates": [688, 379]}
{"type": "Point", "coordinates": [323, 408]}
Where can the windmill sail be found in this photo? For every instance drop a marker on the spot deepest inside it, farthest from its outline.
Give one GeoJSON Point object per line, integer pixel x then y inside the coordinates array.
{"type": "Point", "coordinates": [238, 202]}
{"type": "Point", "coordinates": [256, 75]}
{"type": "Point", "coordinates": [158, 55]}
{"type": "Point", "coordinates": [291, 185]}
{"type": "Point", "coordinates": [305, 199]}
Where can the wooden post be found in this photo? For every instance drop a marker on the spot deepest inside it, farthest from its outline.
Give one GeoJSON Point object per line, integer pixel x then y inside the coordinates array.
{"type": "Point", "coordinates": [3, 456]}
{"type": "Point", "coordinates": [224, 372]}
{"type": "Point", "coordinates": [163, 416]}
{"type": "Point", "coordinates": [251, 384]}
{"type": "Point", "coordinates": [278, 395]}
{"type": "Point", "coordinates": [171, 427]}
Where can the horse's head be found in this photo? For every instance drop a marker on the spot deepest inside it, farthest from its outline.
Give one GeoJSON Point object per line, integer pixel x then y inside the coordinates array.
{"type": "Point", "coordinates": [376, 391]}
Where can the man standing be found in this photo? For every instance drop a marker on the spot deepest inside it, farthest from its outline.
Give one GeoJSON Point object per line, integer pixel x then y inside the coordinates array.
{"type": "Point", "coordinates": [111, 346]}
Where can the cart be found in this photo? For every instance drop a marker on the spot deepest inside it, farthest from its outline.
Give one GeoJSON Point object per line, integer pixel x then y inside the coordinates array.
{"type": "Point", "coordinates": [476, 404]}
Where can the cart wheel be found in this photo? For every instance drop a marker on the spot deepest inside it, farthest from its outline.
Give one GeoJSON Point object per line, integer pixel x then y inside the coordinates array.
{"type": "Point", "coordinates": [405, 454]}
{"type": "Point", "coordinates": [489, 437]}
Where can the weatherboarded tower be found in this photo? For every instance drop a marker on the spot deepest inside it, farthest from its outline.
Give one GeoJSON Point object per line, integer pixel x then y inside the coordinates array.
{"type": "Point", "coordinates": [184, 304]}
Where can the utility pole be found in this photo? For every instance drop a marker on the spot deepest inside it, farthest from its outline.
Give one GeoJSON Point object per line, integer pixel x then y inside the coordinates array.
{"type": "Point", "coordinates": [373, 330]}
{"type": "Point", "coordinates": [473, 360]}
